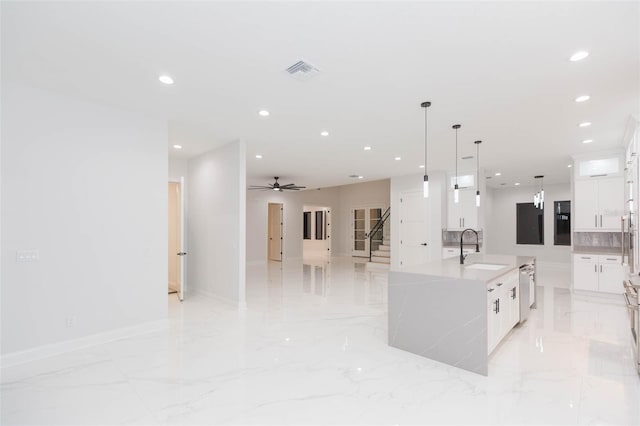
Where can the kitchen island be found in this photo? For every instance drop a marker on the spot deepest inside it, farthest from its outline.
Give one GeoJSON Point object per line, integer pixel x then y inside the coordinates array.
{"type": "Point", "coordinates": [452, 313]}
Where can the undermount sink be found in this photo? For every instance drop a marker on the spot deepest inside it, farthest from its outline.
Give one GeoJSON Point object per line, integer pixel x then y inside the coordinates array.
{"type": "Point", "coordinates": [485, 266]}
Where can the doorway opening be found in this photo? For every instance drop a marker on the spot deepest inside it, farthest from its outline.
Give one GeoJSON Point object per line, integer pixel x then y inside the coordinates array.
{"type": "Point", "coordinates": [316, 232]}
{"type": "Point", "coordinates": [176, 253]}
{"type": "Point", "coordinates": [275, 224]}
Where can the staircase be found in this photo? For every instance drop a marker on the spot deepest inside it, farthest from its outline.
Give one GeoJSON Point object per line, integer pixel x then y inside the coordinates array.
{"type": "Point", "coordinates": [383, 254]}
{"type": "Point", "coordinates": [381, 257]}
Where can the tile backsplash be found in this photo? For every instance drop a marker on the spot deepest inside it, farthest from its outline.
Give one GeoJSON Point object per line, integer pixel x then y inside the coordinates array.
{"type": "Point", "coordinates": [451, 237]}
{"type": "Point", "coordinates": [597, 239]}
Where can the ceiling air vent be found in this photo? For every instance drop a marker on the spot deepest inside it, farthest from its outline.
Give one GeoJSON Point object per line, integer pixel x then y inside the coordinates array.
{"type": "Point", "coordinates": [302, 70]}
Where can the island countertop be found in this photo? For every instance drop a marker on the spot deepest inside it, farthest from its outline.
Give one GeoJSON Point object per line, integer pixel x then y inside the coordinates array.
{"type": "Point", "coordinates": [451, 268]}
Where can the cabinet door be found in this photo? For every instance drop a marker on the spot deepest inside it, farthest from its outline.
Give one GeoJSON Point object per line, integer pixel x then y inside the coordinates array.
{"type": "Point", "coordinates": [610, 279]}
{"type": "Point", "coordinates": [610, 203]}
{"type": "Point", "coordinates": [586, 204]}
{"type": "Point", "coordinates": [503, 310]}
{"type": "Point", "coordinates": [585, 273]}
{"type": "Point", "coordinates": [454, 212]}
{"type": "Point", "coordinates": [469, 210]}
{"type": "Point", "coordinates": [492, 318]}
{"type": "Point", "coordinates": [513, 295]}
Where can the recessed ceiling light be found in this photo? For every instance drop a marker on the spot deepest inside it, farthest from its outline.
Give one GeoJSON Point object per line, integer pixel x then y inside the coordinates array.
{"type": "Point", "coordinates": [587, 141]}
{"type": "Point", "coordinates": [165, 79]}
{"type": "Point", "coordinates": [177, 146]}
{"type": "Point", "coordinates": [569, 166]}
{"type": "Point", "coordinates": [360, 177]}
{"type": "Point", "coordinates": [517, 184]}
{"type": "Point", "coordinates": [367, 148]}
{"type": "Point", "coordinates": [579, 56]}
{"type": "Point", "coordinates": [498, 174]}
{"type": "Point", "coordinates": [258, 156]}
{"type": "Point", "coordinates": [398, 158]}
{"type": "Point", "coordinates": [585, 124]}
{"type": "Point", "coordinates": [324, 133]}
{"type": "Point", "coordinates": [263, 113]}
{"type": "Point", "coordinates": [583, 98]}
{"type": "Point", "coordinates": [421, 166]}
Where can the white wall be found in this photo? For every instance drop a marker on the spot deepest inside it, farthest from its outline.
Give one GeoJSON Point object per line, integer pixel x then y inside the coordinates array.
{"type": "Point", "coordinates": [501, 235]}
{"type": "Point", "coordinates": [436, 210]}
{"type": "Point", "coordinates": [216, 220]}
{"type": "Point", "coordinates": [340, 199]}
{"type": "Point", "coordinates": [86, 186]}
{"type": "Point", "coordinates": [177, 169]}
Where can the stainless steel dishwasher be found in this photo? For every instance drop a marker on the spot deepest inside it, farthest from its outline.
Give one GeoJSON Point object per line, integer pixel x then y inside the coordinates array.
{"type": "Point", "coordinates": [527, 290]}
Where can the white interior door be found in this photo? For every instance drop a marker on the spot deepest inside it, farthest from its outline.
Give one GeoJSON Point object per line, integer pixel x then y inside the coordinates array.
{"type": "Point", "coordinates": [275, 232]}
{"type": "Point", "coordinates": [414, 223]}
{"type": "Point", "coordinates": [182, 252]}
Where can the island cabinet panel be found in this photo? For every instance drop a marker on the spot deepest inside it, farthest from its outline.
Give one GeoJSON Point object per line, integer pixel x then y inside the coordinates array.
{"type": "Point", "coordinates": [455, 313]}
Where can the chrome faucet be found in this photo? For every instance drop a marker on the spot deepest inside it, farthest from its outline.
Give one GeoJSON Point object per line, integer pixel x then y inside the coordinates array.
{"type": "Point", "coordinates": [462, 256]}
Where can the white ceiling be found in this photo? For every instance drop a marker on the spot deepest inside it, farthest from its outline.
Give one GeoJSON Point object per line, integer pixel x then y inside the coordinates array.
{"type": "Point", "coordinates": [499, 69]}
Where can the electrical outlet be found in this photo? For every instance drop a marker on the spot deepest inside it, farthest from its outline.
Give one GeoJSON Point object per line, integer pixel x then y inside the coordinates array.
{"type": "Point", "coordinates": [71, 322]}
{"type": "Point", "coordinates": [27, 256]}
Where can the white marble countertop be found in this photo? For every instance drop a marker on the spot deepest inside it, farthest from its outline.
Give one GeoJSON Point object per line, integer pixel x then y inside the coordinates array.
{"type": "Point", "coordinates": [451, 268]}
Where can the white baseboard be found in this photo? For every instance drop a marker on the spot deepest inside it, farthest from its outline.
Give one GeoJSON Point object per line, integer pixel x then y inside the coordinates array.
{"type": "Point", "coordinates": [52, 349]}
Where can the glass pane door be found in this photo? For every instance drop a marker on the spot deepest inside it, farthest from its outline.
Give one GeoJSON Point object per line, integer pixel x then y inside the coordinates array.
{"type": "Point", "coordinates": [359, 231]}
{"type": "Point", "coordinates": [374, 217]}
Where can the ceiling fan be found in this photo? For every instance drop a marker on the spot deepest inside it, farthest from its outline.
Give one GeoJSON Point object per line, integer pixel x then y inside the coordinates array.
{"type": "Point", "coordinates": [277, 187]}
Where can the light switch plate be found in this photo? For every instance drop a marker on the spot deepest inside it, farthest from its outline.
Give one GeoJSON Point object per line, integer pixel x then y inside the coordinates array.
{"type": "Point", "coordinates": [27, 256]}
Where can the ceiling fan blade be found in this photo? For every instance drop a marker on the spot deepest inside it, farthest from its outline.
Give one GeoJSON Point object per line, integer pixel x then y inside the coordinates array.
{"type": "Point", "coordinates": [289, 184]}
{"type": "Point", "coordinates": [294, 188]}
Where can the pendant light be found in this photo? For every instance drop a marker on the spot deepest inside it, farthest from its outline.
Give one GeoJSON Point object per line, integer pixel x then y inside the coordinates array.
{"type": "Point", "coordinates": [456, 191]}
{"type": "Point", "coordinates": [425, 184]}
{"type": "Point", "coordinates": [478, 172]}
{"type": "Point", "coordinates": [538, 197]}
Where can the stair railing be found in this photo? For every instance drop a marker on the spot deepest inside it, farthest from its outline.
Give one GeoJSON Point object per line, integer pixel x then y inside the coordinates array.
{"type": "Point", "coordinates": [378, 227]}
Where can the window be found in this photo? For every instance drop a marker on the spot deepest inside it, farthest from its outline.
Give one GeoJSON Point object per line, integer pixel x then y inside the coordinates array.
{"type": "Point", "coordinates": [562, 223]}
{"type": "Point", "coordinates": [306, 229]}
{"type": "Point", "coordinates": [320, 234]}
{"type": "Point", "coordinates": [529, 224]}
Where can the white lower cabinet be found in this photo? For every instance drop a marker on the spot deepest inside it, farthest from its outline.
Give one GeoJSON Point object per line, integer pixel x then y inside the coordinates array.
{"type": "Point", "coordinates": [503, 308]}
{"type": "Point", "coordinates": [597, 273]}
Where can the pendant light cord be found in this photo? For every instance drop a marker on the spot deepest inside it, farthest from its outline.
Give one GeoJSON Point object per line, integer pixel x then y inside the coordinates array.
{"type": "Point", "coordinates": [425, 141]}
{"type": "Point", "coordinates": [456, 156]}
{"type": "Point", "coordinates": [478, 165]}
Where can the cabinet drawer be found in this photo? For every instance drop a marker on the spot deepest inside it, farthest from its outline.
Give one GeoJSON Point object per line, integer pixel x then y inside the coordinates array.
{"type": "Point", "coordinates": [585, 258]}
{"type": "Point", "coordinates": [610, 259]}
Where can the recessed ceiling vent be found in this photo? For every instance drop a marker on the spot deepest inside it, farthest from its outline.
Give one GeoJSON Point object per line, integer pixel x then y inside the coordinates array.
{"type": "Point", "coordinates": [302, 70]}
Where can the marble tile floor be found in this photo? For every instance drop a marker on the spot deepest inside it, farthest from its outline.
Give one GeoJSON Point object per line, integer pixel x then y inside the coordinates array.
{"type": "Point", "coordinates": [311, 349]}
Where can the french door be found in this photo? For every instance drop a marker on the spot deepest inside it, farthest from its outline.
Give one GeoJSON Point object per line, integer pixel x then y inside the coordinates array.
{"type": "Point", "coordinates": [363, 221]}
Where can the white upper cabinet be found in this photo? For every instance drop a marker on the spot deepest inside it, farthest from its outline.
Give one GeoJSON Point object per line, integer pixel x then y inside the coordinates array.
{"type": "Point", "coordinates": [600, 167]}
{"type": "Point", "coordinates": [463, 214]}
{"type": "Point", "coordinates": [599, 204]}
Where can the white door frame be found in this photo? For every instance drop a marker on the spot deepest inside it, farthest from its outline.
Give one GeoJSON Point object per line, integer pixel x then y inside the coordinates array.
{"type": "Point", "coordinates": [182, 252]}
